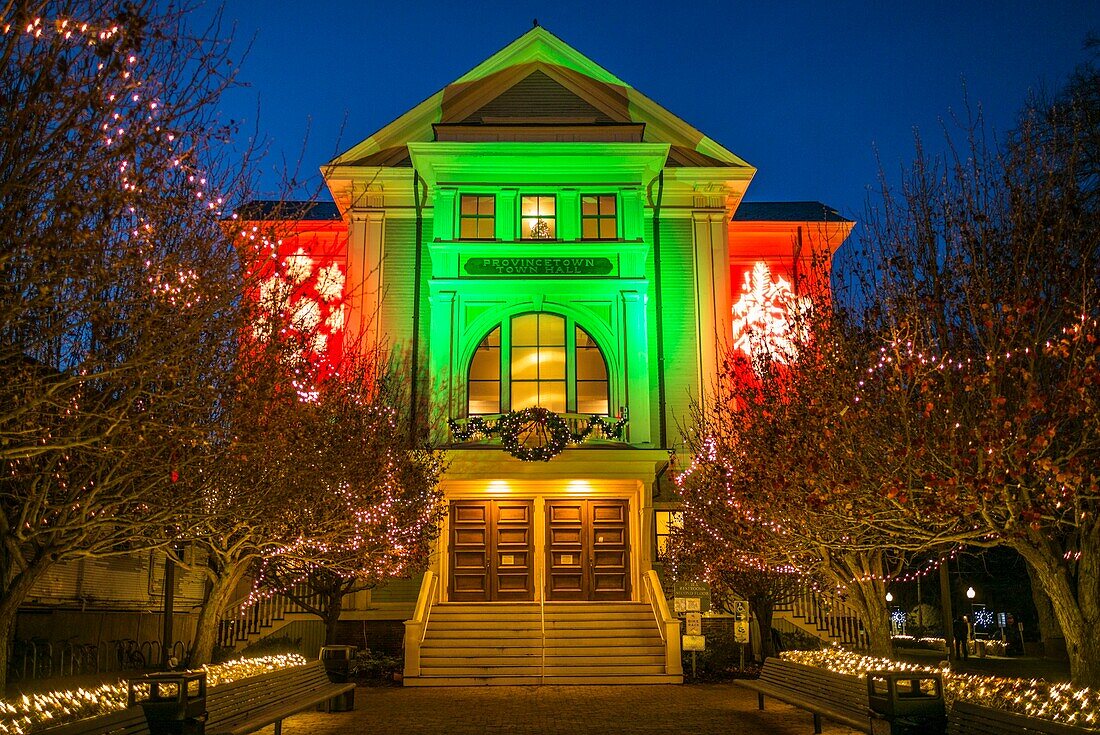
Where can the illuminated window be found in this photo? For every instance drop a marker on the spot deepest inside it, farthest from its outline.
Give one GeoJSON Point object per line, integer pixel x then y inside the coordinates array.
{"type": "Point", "coordinates": [542, 360]}
{"type": "Point", "coordinates": [664, 522]}
{"type": "Point", "coordinates": [538, 218]}
{"type": "Point", "coordinates": [484, 385]}
{"type": "Point", "coordinates": [477, 217]}
{"type": "Point", "coordinates": [591, 375]}
{"type": "Point", "coordinates": [538, 362]}
{"type": "Point", "coordinates": [598, 217]}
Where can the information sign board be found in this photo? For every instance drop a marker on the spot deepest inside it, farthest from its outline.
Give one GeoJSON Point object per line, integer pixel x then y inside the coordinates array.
{"type": "Point", "coordinates": [694, 643]}
{"type": "Point", "coordinates": [693, 624]}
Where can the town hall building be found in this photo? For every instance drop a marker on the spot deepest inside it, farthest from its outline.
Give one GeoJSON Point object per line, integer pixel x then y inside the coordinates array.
{"type": "Point", "coordinates": [561, 262]}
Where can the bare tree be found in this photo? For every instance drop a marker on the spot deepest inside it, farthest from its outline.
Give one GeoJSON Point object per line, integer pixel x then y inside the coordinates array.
{"type": "Point", "coordinates": [117, 282]}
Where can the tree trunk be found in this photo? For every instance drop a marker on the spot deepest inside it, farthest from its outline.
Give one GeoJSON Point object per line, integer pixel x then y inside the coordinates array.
{"type": "Point", "coordinates": [762, 608]}
{"type": "Point", "coordinates": [1076, 607]}
{"type": "Point", "coordinates": [332, 615]}
{"type": "Point", "coordinates": [1048, 622]}
{"type": "Point", "coordinates": [206, 628]}
{"type": "Point", "coordinates": [868, 597]}
{"type": "Point", "coordinates": [11, 597]}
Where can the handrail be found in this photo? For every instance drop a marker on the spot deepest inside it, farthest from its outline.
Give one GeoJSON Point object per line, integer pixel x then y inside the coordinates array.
{"type": "Point", "coordinates": [667, 625]}
{"type": "Point", "coordinates": [417, 627]}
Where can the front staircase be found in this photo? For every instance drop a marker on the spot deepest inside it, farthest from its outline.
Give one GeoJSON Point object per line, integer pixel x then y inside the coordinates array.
{"type": "Point", "coordinates": [469, 644]}
{"type": "Point", "coordinates": [563, 643]}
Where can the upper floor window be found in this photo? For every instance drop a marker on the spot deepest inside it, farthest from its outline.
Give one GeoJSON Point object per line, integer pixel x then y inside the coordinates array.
{"type": "Point", "coordinates": [477, 217]}
{"type": "Point", "coordinates": [598, 217]}
{"type": "Point", "coordinates": [538, 218]}
{"type": "Point", "coordinates": [538, 360]}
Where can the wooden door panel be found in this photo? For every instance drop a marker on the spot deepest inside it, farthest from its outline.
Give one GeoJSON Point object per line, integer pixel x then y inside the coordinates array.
{"type": "Point", "coordinates": [587, 550]}
{"type": "Point", "coordinates": [610, 545]}
{"type": "Point", "coordinates": [469, 552]}
{"type": "Point", "coordinates": [490, 553]}
{"type": "Point", "coordinates": [513, 537]}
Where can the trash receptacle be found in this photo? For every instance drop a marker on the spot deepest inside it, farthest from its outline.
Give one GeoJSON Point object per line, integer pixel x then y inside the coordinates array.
{"type": "Point", "coordinates": [906, 703]}
{"type": "Point", "coordinates": [174, 702]}
{"type": "Point", "coordinates": [337, 661]}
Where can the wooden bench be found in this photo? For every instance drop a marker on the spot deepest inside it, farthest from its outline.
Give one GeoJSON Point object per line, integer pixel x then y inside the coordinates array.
{"type": "Point", "coordinates": [130, 721]}
{"type": "Point", "coordinates": [250, 704]}
{"type": "Point", "coordinates": [839, 697]}
{"type": "Point", "coordinates": [966, 718]}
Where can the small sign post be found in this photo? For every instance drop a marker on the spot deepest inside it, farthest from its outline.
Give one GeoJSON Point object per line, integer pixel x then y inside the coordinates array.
{"type": "Point", "coordinates": [693, 623]}
{"type": "Point", "coordinates": [690, 600]}
{"type": "Point", "coordinates": [741, 626]}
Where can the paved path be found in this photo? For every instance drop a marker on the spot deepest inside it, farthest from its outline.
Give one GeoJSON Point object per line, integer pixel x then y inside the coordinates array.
{"type": "Point", "coordinates": [566, 710]}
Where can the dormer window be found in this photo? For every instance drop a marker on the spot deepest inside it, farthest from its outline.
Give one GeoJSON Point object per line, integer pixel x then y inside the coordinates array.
{"type": "Point", "coordinates": [477, 217]}
{"type": "Point", "coordinates": [538, 218]}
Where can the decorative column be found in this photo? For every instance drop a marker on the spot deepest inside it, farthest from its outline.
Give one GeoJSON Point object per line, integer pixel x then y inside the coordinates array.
{"type": "Point", "coordinates": [442, 391]}
{"type": "Point", "coordinates": [635, 359]}
{"type": "Point", "coordinates": [366, 245]}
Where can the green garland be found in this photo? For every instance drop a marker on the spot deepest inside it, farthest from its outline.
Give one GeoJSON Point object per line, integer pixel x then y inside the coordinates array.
{"type": "Point", "coordinates": [558, 434]}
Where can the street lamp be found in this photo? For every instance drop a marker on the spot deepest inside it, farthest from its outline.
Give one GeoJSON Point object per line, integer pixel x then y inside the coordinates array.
{"type": "Point", "coordinates": [889, 597]}
{"type": "Point", "coordinates": [970, 593]}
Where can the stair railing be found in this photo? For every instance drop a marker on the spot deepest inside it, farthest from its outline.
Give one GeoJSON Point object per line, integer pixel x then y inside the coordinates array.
{"type": "Point", "coordinates": [667, 625]}
{"type": "Point", "coordinates": [417, 628]}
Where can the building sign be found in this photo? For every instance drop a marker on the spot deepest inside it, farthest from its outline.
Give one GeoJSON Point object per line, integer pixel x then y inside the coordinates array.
{"type": "Point", "coordinates": [538, 267]}
{"type": "Point", "coordinates": [691, 597]}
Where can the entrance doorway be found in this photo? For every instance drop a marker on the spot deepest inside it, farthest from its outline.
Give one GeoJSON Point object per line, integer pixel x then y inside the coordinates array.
{"type": "Point", "coordinates": [491, 551]}
{"type": "Point", "coordinates": [587, 550]}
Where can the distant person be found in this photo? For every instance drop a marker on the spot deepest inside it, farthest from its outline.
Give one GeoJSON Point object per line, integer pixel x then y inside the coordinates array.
{"type": "Point", "coordinates": [960, 631]}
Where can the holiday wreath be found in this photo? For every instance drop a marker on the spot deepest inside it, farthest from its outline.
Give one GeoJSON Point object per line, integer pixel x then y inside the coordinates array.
{"type": "Point", "coordinates": [534, 434]}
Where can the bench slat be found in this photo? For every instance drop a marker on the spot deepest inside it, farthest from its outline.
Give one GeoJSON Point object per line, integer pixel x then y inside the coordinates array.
{"type": "Point", "coordinates": [966, 718]}
{"type": "Point", "coordinates": [839, 697]}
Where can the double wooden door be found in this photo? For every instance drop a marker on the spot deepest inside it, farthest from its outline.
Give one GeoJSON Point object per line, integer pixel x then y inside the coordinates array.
{"type": "Point", "coordinates": [491, 551]}
{"type": "Point", "coordinates": [587, 550]}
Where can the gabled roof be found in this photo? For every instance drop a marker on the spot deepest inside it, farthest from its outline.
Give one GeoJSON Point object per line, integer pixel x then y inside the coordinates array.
{"type": "Point", "coordinates": [787, 212]}
{"type": "Point", "coordinates": [539, 79]}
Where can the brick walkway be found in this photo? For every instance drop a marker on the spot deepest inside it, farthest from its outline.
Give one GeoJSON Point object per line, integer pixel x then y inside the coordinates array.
{"type": "Point", "coordinates": [684, 710]}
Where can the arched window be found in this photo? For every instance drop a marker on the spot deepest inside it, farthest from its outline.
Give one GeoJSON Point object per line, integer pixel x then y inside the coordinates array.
{"type": "Point", "coordinates": [538, 359]}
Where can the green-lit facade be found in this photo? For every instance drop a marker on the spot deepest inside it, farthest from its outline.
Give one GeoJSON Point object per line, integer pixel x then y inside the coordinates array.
{"type": "Point", "coordinates": [540, 234]}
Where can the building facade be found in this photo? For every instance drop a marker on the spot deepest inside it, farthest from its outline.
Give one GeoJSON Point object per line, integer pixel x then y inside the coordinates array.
{"type": "Point", "coordinates": [561, 261]}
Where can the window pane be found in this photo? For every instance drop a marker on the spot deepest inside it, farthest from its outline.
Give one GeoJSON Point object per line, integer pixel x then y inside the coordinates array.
{"type": "Point", "coordinates": [538, 228]}
{"type": "Point", "coordinates": [590, 205]}
{"type": "Point", "coordinates": [486, 364]}
{"type": "Point", "coordinates": [607, 205]}
{"type": "Point", "coordinates": [590, 365]}
{"type": "Point", "coordinates": [492, 339]}
{"type": "Point", "coordinates": [524, 395]}
{"type": "Point", "coordinates": [551, 330]}
{"type": "Point", "coordinates": [552, 396]}
{"type": "Point", "coordinates": [525, 363]}
{"type": "Point", "coordinates": [583, 340]}
{"type": "Point", "coordinates": [552, 363]}
{"type": "Point", "coordinates": [484, 397]}
{"type": "Point", "coordinates": [590, 229]}
{"type": "Point", "coordinates": [529, 206]}
{"type": "Point", "coordinates": [607, 229]}
{"type": "Point", "coordinates": [525, 330]}
{"type": "Point", "coordinates": [486, 205]}
{"type": "Point", "coordinates": [592, 397]}
{"type": "Point", "coordinates": [546, 206]}
{"type": "Point", "coordinates": [468, 204]}
{"type": "Point", "coordinates": [468, 229]}
{"type": "Point", "coordinates": [485, 229]}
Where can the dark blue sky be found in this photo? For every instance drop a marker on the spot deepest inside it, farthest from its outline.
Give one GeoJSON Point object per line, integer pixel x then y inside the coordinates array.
{"type": "Point", "coordinates": [805, 91]}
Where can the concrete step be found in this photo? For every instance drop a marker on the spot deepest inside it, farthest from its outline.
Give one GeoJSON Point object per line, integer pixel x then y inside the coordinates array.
{"type": "Point", "coordinates": [496, 671]}
{"type": "Point", "coordinates": [534, 658]}
{"type": "Point", "coordinates": [575, 680]}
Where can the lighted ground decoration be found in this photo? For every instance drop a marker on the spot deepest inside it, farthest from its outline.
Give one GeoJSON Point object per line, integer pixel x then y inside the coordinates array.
{"type": "Point", "coordinates": [1061, 702]}
{"type": "Point", "coordinates": [34, 712]}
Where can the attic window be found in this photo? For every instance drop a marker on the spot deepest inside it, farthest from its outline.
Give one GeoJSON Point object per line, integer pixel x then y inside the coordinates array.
{"type": "Point", "coordinates": [538, 218]}
{"type": "Point", "coordinates": [598, 217]}
{"type": "Point", "coordinates": [476, 217]}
